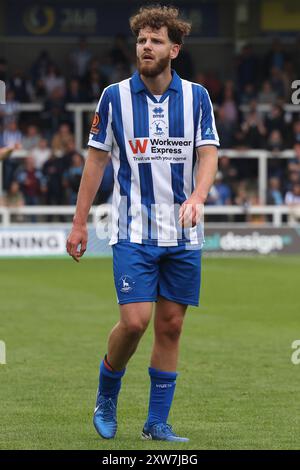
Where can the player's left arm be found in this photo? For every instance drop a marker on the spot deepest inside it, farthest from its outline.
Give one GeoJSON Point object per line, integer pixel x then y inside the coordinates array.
{"type": "Point", "coordinates": [192, 209]}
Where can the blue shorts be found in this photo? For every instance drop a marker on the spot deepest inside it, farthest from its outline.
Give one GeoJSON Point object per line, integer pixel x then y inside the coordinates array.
{"type": "Point", "coordinates": [144, 272]}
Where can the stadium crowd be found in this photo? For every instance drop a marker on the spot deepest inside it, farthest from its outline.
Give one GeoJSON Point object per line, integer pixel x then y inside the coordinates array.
{"type": "Point", "coordinates": [50, 173]}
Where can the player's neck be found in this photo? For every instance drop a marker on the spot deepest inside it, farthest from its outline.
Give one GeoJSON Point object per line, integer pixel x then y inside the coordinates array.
{"type": "Point", "coordinates": [159, 84]}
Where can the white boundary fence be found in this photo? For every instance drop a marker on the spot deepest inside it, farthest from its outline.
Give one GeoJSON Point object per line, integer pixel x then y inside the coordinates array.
{"type": "Point", "coordinates": [262, 157]}
{"type": "Point", "coordinates": [79, 108]}
{"type": "Point", "coordinates": [276, 212]}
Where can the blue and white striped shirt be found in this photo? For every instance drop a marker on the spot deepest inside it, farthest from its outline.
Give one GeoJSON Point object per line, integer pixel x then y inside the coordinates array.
{"type": "Point", "coordinates": [152, 141]}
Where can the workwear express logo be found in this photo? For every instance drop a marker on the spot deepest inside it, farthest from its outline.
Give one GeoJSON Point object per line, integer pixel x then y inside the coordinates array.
{"type": "Point", "coordinates": [138, 146]}
{"type": "Point", "coordinates": [160, 146]}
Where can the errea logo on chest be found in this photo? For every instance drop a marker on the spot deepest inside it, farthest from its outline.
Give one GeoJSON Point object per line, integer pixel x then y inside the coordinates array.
{"type": "Point", "coordinates": [158, 112]}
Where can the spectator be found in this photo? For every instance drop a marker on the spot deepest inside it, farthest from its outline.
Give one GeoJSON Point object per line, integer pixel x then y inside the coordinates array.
{"type": "Point", "coordinates": [20, 86]}
{"type": "Point", "coordinates": [274, 196]}
{"type": "Point", "coordinates": [40, 66]}
{"type": "Point", "coordinates": [14, 200]}
{"type": "Point", "coordinates": [5, 152]}
{"type": "Point", "coordinates": [267, 94]}
{"type": "Point", "coordinates": [80, 58]}
{"type": "Point", "coordinates": [275, 142]}
{"type": "Point", "coordinates": [39, 92]}
{"type": "Point", "coordinates": [53, 80]}
{"type": "Point", "coordinates": [12, 135]}
{"type": "Point", "coordinates": [61, 139]}
{"type": "Point", "coordinates": [226, 128]}
{"type": "Point", "coordinates": [75, 94]}
{"type": "Point", "coordinates": [95, 86]}
{"type": "Point", "coordinates": [31, 183]}
{"type": "Point", "coordinates": [228, 102]}
{"type": "Point", "coordinates": [220, 193]}
{"type": "Point", "coordinates": [275, 120]}
{"type": "Point", "coordinates": [293, 197]}
{"type": "Point", "coordinates": [66, 158]}
{"type": "Point", "coordinates": [10, 111]}
{"type": "Point", "coordinates": [54, 111]}
{"type": "Point", "coordinates": [14, 197]}
{"type": "Point", "coordinates": [41, 153]}
{"type": "Point", "coordinates": [31, 138]}
{"type": "Point", "coordinates": [253, 128]}
{"type": "Point", "coordinates": [248, 94]}
{"type": "Point", "coordinates": [53, 181]}
{"type": "Point", "coordinates": [242, 197]}
{"type": "Point", "coordinates": [229, 171]}
{"type": "Point", "coordinates": [72, 177]}
{"type": "Point", "coordinates": [277, 82]}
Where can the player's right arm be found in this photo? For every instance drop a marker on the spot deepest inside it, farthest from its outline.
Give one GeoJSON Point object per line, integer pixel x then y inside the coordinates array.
{"type": "Point", "coordinates": [91, 178]}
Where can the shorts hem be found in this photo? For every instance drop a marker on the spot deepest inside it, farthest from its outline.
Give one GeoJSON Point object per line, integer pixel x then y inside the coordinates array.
{"type": "Point", "coordinates": [137, 299]}
{"type": "Point", "coordinates": [180, 301]}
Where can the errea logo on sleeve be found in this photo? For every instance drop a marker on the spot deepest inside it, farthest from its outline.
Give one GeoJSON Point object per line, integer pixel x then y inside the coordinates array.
{"type": "Point", "coordinates": [209, 132]}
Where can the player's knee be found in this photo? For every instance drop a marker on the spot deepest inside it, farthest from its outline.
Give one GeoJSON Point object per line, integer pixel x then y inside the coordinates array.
{"type": "Point", "coordinates": [135, 327]}
{"type": "Point", "coordinates": [170, 329]}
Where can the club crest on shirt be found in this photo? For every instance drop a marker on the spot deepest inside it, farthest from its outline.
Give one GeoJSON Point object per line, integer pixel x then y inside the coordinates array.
{"type": "Point", "coordinates": [158, 127]}
{"type": "Point", "coordinates": [126, 284]}
{"type": "Point", "coordinates": [95, 124]}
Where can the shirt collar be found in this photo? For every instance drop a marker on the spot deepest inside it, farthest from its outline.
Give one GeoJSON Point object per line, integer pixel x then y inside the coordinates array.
{"type": "Point", "coordinates": [137, 84]}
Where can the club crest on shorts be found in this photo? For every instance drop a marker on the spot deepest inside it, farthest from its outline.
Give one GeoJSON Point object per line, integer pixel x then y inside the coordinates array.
{"type": "Point", "coordinates": [126, 284]}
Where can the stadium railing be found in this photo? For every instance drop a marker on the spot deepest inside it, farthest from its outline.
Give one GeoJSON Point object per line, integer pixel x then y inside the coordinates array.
{"type": "Point", "coordinates": [12, 216]}
{"type": "Point", "coordinates": [262, 157]}
{"type": "Point", "coordinates": [79, 108]}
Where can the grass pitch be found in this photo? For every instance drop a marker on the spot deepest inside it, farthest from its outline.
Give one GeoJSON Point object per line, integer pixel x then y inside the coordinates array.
{"type": "Point", "coordinates": [237, 387]}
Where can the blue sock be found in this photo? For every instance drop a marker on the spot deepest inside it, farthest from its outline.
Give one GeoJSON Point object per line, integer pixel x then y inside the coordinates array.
{"type": "Point", "coordinates": [161, 395]}
{"type": "Point", "coordinates": [110, 381]}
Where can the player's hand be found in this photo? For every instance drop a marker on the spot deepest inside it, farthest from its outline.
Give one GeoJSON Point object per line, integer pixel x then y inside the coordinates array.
{"type": "Point", "coordinates": [77, 237]}
{"type": "Point", "coordinates": [191, 211]}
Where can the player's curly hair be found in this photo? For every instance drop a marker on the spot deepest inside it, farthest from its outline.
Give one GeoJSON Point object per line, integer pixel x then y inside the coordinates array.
{"type": "Point", "coordinates": [156, 16]}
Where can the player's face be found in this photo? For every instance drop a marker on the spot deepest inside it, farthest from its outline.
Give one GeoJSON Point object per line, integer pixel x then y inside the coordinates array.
{"type": "Point", "coordinates": [154, 51]}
